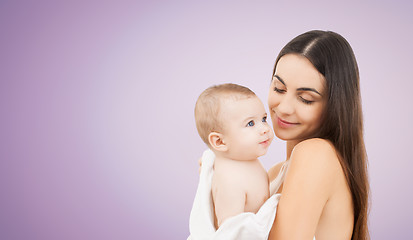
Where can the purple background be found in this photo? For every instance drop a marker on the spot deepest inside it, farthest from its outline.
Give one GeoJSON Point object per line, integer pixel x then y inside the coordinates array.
{"type": "Point", "coordinates": [97, 134]}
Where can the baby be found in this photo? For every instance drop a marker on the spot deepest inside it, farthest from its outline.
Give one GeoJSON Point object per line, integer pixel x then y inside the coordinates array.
{"type": "Point", "coordinates": [232, 121]}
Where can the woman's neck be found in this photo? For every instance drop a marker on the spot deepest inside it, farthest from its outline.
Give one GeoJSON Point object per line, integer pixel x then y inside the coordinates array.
{"type": "Point", "coordinates": [290, 146]}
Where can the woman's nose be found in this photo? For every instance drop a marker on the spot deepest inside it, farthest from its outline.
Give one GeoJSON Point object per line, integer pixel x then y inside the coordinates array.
{"type": "Point", "coordinates": [285, 107]}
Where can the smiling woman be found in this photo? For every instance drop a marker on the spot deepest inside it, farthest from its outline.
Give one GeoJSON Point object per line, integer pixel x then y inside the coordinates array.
{"type": "Point", "coordinates": [321, 190]}
{"type": "Point", "coordinates": [322, 186]}
{"type": "Point", "coordinates": [295, 98]}
{"type": "Point", "coordinates": [315, 106]}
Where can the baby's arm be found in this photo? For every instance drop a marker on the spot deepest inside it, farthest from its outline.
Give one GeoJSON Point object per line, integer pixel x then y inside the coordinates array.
{"type": "Point", "coordinates": [229, 196]}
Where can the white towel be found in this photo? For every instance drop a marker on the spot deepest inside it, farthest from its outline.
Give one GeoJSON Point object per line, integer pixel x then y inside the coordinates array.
{"type": "Point", "coordinates": [242, 226]}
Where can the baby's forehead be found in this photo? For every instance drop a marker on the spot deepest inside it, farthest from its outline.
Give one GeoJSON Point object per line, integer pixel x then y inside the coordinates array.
{"type": "Point", "coordinates": [236, 97]}
{"type": "Point", "coordinates": [242, 105]}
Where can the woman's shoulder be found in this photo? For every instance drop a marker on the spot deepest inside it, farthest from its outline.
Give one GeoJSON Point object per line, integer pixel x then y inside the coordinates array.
{"type": "Point", "coordinates": [315, 142]}
{"type": "Point", "coordinates": [317, 157]}
{"type": "Point", "coordinates": [320, 148]}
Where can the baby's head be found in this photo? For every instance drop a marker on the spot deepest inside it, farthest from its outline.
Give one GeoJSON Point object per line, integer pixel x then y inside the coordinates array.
{"type": "Point", "coordinates": [230, 118]}
{"type": "Point", "coordinates": [208, 107]}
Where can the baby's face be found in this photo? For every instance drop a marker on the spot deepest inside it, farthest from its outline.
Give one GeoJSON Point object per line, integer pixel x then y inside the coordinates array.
{"type": "Point", "coordinates": [246, 131]}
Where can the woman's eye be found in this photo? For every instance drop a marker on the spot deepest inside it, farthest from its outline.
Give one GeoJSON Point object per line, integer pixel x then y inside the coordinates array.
{"type": "Point", "coordinates": [279, 90]}
{"type": "Point", "coordinates": [306, 101]}
{"type": "Point", "coordinates": [250, 123]}
{"type": "Point", "coordinates": [264, 119]}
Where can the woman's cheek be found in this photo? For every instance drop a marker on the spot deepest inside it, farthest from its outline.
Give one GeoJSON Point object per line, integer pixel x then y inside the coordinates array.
{"type": "Point", "coordinates": [273, 101]}
{"type": "Point", "coordinates": [312, 118]}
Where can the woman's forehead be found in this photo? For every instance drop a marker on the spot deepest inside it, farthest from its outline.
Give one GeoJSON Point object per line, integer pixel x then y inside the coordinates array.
{"type": "Point", "coordinates": [297, 71]}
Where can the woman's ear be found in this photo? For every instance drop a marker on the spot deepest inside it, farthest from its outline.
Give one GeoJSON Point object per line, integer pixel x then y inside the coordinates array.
{"type": "Point", "coordinates": [216, 142]}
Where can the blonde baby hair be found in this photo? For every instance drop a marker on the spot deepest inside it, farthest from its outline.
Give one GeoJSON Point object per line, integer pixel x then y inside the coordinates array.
{"type": "Point", "coordinates": [207, 107]}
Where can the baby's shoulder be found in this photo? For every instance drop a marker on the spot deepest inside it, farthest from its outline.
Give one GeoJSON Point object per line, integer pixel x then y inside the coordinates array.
{"type": "Point", "coordinates": [227, 179]}
{"type": "Point", "coordinates": [228, 172]}
{"type": "Point", "coordinates": [238, 173]}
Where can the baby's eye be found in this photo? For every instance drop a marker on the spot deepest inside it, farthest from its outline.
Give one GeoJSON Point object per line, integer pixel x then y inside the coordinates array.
{"type": "Point", "coordinates": [264, 119]}
{"type": "Point", "coordinates": [250, 123]}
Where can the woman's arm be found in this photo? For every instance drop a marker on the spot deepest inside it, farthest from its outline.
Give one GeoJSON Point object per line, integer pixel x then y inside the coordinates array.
{"type": "Point", "coordinates": [308, 186]}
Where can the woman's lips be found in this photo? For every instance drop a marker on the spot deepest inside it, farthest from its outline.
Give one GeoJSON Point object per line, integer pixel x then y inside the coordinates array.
{"type": "Point", "coordinates": [285, 124]}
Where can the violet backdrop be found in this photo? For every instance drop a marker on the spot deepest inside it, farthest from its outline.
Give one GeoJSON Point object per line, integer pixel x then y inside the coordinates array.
{"type": "Point", "coordinates": [97, 134]}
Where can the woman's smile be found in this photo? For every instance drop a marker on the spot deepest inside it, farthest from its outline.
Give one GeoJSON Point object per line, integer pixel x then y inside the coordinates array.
{"type": "Point", "coordinates": [285, 124]}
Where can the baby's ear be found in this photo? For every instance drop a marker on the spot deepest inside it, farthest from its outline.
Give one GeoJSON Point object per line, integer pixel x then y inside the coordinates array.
{"type": "Point", "coordinates": [216, 142]}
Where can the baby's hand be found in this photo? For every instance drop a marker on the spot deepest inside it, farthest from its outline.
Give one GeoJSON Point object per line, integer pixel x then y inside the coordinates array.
{"type": "Point", "coordinates": [200, 164]}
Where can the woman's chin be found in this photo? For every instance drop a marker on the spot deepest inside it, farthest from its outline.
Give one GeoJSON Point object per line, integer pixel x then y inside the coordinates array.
{"type": "Point", "coordinates": [282, 136]}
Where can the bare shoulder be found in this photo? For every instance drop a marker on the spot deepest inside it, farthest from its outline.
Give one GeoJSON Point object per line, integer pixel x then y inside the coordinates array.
{"type": "Point", "coordinates": [316, 160]}
{"type": "Point", "coordinates": [319, 152]}
{"type": "Point", "coordinates": [314, 145]}
{"type": "Point", "coordinates": [312, 179]}
{"type": "Point", "coordinates": [228, 176]}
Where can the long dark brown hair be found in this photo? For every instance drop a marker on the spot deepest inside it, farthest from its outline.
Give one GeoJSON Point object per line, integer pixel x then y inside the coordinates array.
{"type": "Point", "coordinates": [342, 119]}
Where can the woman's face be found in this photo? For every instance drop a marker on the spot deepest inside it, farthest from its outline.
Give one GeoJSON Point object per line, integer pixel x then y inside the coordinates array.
{"type": "Point", "coordinates": [296, 98]}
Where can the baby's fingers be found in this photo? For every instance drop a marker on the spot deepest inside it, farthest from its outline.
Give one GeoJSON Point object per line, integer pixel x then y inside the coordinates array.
{"type": "Point", "coordinates": [200, 164]}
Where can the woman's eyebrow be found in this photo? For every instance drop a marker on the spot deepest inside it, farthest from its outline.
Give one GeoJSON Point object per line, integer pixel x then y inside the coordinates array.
{"type": "Point", "coordinates": [299, 89]}
{"type": "Point", "coordinates": [309, 89]}
{"type": "Point", "coordinates": [279, 79]}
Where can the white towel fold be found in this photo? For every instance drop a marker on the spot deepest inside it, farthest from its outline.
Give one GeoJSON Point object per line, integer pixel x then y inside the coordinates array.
{"type": "Point", "coordinates": [242, 226]}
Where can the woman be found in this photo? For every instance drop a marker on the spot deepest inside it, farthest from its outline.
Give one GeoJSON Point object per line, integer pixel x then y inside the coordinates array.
{"type": "Point", "coordinates": [315, 106]}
